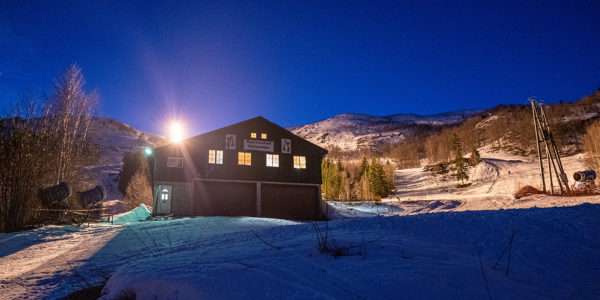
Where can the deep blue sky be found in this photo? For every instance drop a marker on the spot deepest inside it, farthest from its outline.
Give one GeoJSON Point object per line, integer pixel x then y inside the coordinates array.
{"type": "Point", "coordinates": [211, 64]}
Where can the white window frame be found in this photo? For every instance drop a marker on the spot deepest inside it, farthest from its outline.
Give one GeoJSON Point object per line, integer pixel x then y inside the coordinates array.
{"type": "Point", "coordinates": [273, 160]}
{"type": "Point", "coordinates": [299, 162]}
{"type": "Point", "coordinates": [174, 162]}
{"type": "Point", "coordinates": [215, 157]}
{"type": "Point", "coordinates": [253, 135]}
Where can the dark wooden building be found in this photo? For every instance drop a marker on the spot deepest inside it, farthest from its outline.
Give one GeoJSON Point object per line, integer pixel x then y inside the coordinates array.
{"type": "Point", "coordinates": [252, 168]}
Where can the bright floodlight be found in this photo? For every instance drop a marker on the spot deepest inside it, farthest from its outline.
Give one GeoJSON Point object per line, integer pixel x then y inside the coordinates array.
{"type": "Point", "coordinates": [176, 132]}
{"type": "Point", "coordinates": [148, 151]}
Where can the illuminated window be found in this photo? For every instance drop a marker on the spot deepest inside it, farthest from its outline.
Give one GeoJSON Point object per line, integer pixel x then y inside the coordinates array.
{"type": "Point", "coordinates": [164, 195]}
{"type": "Point", "coordinates": [300, 162]}
{"type": "Point", "coordinates": [253, 135]}
{"type": "Point", "coordinates": [244, 158]}
{"type": "Point", "coordinates": [272, 160]}
{"type": "Point", "coordinates": [175, 162]}
{"type": "Point", "coordinates": [215, 157]}
{"type": "Point", "coordinates": [263, 136]}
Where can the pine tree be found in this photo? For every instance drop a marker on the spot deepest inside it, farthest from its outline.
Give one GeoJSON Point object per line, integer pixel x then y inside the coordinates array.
{"type": "Point", "coordinates": [364, 166]}
{"type": "Point", "coordinates": [377, 179]}
{"type": "Point", "coordinates": [389, 174]}
{"type": "Point", "coordinates": [364, 190]}
{"type": "Point", "coordinates": [332, 179]}
{"type": "Point", "coordinates": [462, 173]}
{"type": "Point", "coordinates": [454, 144]}
{"type": "Point", "coordinates": [325, 177]}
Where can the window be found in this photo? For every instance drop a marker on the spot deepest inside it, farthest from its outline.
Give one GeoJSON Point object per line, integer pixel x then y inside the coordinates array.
{"type": "Point", "coordinates": [164, 195]}
{"type": "Point", "coordinates": [300, 162]}
{"type": "Point", "coordinates": [253, 135]}
{"type": "Point", "coordinates": [263, 136]}
{"type": "Point", "coordinates": [215, 157]}
{"type": "Point", "coordinates": [244, 158]}
{"type": "Point", "coordinates": [175, 162]}
{"type": "Point", "coordinates": [272, 160]}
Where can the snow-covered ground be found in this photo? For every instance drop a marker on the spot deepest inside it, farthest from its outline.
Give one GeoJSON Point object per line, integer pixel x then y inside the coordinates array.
{"type": "Point", "coordinates": [494, 183]}
{"type": "Point", "coordinates": [554, 256]}
{"type": "Point", "coordinates": [436, 242]}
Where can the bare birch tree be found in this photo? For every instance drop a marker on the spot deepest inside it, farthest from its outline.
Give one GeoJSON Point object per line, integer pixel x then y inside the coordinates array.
{"type": "Point", "coordinates": [71, 111]}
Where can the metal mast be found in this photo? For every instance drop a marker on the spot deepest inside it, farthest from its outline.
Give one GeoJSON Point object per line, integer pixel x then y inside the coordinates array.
{"type": "Point", "coordinates": [544, 134]}
{"type": "Point", "coordinates": [537, 140]}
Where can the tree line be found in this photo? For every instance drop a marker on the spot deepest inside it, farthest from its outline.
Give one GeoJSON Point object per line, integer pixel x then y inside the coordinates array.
{"type": "Point", "coordinates": [505, 127]}
{"type": "Point", "coordinates": [347, 180]}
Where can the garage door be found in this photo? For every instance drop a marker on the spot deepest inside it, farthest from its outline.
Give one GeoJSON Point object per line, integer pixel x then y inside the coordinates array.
{"type": "Point", "coordinates": [289, 201]}
{"type": "Point", "coordinates": [213, 198]}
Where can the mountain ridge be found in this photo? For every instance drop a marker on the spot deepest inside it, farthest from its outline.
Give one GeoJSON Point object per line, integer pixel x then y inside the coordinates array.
{"type": "Point", "coordinates": [360, 131]}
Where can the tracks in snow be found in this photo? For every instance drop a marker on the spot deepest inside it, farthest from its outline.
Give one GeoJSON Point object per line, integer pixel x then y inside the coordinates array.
{"type": "Point", "coordinates": [49, 262]}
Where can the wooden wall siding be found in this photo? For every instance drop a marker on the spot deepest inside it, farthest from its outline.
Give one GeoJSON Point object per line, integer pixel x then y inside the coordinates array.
{"type": "Point", "coordinates": [195, 153]}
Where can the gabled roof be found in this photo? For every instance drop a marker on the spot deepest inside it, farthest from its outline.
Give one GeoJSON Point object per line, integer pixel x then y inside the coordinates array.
{"type": "Point", "coordinates": [250, 123]}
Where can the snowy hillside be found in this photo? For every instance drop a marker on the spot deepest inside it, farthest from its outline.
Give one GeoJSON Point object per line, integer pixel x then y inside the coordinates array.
{"type": "Point", "coordinates": [360, 131]}
{"type": "Point", "coordinates": [114, 140]}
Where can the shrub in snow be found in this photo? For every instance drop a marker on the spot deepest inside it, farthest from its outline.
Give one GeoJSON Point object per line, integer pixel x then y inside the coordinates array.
{"type": "Point", "coordinates": [138, 191]}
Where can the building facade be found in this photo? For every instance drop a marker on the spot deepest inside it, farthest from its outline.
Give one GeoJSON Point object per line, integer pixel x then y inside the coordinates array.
{"type": "Point", "coordinates": [252, 168]}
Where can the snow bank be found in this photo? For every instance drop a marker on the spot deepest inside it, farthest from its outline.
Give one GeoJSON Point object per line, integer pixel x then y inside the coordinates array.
{"type": "Point", "coordinates": [140, 213]}
{"type": "Point", "coordinates": [484, 171]}
{"type": "Point", "coordinates": [363, 209]}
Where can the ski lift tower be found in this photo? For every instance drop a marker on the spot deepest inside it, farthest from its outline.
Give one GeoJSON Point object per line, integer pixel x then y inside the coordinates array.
{"type": "Point", "coordinates": [543, 135]}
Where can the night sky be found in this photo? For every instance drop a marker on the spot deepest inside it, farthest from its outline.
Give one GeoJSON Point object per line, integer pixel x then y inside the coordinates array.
{"type": "Point", "coordinates": [211, 64]}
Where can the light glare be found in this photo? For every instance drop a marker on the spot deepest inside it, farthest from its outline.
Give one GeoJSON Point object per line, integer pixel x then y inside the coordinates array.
{"type": "Point", "coordinates": [148, 151]}
{"type": "Point", "coordinates": [176, 132]}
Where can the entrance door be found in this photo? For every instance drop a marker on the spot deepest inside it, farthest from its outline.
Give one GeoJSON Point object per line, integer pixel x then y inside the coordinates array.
{"type": "Point", "coordinates": [163, 202]}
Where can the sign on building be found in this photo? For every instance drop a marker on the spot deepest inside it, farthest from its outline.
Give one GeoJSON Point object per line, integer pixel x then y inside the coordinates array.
{"type": "Point", "coordinates": [286, 146]}
{"type": "Point", "coordinates": [230, 141]}
{"type": "Point", "coordinates": [266, 146]}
